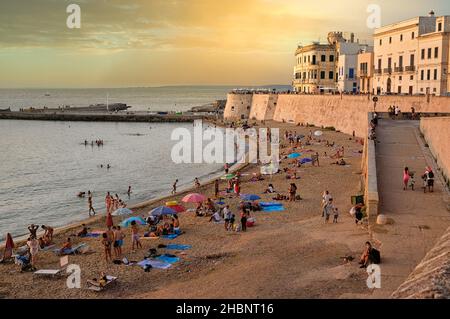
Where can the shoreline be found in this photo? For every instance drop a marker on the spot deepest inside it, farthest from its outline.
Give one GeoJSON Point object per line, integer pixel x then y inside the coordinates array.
{"type": "Point", "coordinates": [21, 239]}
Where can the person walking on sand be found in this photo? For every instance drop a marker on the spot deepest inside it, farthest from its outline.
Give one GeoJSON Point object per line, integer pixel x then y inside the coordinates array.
{"type": "Point", "coordinates": [197, 182]}
{"type": "Point", "coordinates": [405, 178]}
{"type": "Point", "coordinates": [108, 202]}
{"type": "Point", "coordinates": [429, 178]}
{"type": "Point", "coordinates": [135, 236]}
{"type": "Point", "coordinates": [227, 216]}
{"type": "Point", "coordinates": [325, 199]}
{"type": "Point", "coordinates": [244, 215]}
{"type": "Point", "coordinates": [174, 187]}
{"type": "Point", "coordinates": [328, 210]}
{"type": "Point", "coordinates": [216, 188]}
{"type": "Point", "coordinates": [91, 207]}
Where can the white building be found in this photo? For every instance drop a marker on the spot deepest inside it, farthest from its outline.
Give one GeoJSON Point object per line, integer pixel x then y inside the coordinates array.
{"type": "Point", "coordinates": [412, 56]}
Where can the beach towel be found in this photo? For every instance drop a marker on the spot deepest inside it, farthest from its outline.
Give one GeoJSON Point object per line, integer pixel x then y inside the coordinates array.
{"type": "Point", "coordinates": [92, 235]}
{"type": "Point", "coordinates": [178, 247]}
{"type": "Point", "coordinates": [275, 208]}
{"type": "Point", "coordinates": [305, 160]}
{"type": "Point", "coordinates": [265, 204]}
{"type": "Point", "coordinates": [154, 263]}
{"type": "Point", "coordinates": [168, 259]}
{"type": "Point", "coordinates": [171, 236]}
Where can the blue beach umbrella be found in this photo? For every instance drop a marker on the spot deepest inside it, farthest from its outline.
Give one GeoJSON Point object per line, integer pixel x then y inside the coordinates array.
{"type": "Point", "coordinates": [122, 212]}
{"type": "Point", "coordinates": [138, 220]}
{"type": "Point", "coordinates": [162, 210]}
{"type": "Point", "coordinates": [294, 155]}
{"type": "Point", "coordinates": [250, 197]}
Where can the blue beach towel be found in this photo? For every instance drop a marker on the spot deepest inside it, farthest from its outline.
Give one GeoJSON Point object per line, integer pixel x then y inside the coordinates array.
{"type": "Point", "coordinates": [305, 160]}
{"type": "Point", "coordinates": [171, 236]}
{"type": "Point", "coordinates": [154, 263]}
{"type": "Point", "coordinates": [178, 247]}
{"type": "Point", "coordinates": [168, 259]}
{"type": "Point", "coordinates": [275, 208]}
{"type": "Point", "coordinates": [93, 235]}
{"type": "Point", "coordinates": [268, 204]}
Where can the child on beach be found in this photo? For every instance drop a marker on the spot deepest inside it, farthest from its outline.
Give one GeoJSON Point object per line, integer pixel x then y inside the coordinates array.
{"type": "Point", "coordinates": [135, 235]}
{"type": "Point", "coordinates": [335, 215]}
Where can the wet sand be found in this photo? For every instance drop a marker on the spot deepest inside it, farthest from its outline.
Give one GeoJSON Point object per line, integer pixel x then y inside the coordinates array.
{"type": "Point", "coordinates": [288, 254]}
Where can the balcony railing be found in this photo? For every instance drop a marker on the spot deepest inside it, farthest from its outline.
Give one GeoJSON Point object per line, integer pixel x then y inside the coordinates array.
{"type": "Point", "coordinates": [377, 71]}
{"type": "Point", "coordinates": [410, 68]}
{"type": "Point", "coordinates": [387, 70]}
{"type": "Point", "coordinates": [398, 69]}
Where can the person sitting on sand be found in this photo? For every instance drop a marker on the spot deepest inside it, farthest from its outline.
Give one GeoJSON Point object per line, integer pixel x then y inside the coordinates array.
{"type": "Point", "coordinates": [48, 234]}
{"type": "Point", "coordinates": [341, 162]}
{"type": "Point", "coordinates": [280, 197]}
{"type": "Point", "coordinates": [176, 224]}
{"type": "Point", "coordinates": [66, 246]}
{"type": "Point", "coordinates": [216, 217]}
{"type": "Point", "coordinates": [83, 232]}
{"type": "Point", "coordinates": [369, 256]}
{"type": "Point", "coordinates": [270, 189]}
{"type": "Point", "coordinates": [43, 242]}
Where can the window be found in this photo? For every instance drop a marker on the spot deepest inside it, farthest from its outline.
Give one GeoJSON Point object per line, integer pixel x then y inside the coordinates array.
{"type": "Point", "coordinates": [436, 52]}
{"type": "Point", "coordinates": [399, 89]}
{"type": "Point", "coordinates": [322, 75]}
{"type": "Point", "coordinates": [434, 89]}
{"type": "Point", "coordinates": [331, 75]}
{"type": "Point", "coordinates": [411, 60]}
{"type": "Point", "coordinates": [390, 40]}
{"type": "Point", "coordinates": [313, 59]}
{"type": "Point", "coordinates": [429, 53]}
{"type": "Point", "coordinates": [439, 26]}
{"type": "Point", "coordinates": [422, 74]}
{"type": "Point", "coordinates": [389, 63]}
{"type": "Point", "coordinates": [323, 58]}
{"type": "Point", "coordinates": [331, 58]}
{"type": "Point", "coordinates": [379, 64]}
{"type": "Point", "coordinates": [381, 41]}
{"type": "Point", "coordinates": [400, 78]}
{"type": "Point", "coordinates": [412, 35]}
{"type": "Point", "coordinates": [351, 73]}
{"type": "Point", "coordinates": [411, 77]}
{"type": "Point", "coordinates": [428, 74]}
{"type": "Point", "coordinates": [423, 54]}
{"type": "Point", "coordinates": [304, 59]}
{"type": "Point", "coordinates": [309, 58]}
{"type": "Point", "coordinates": [401, 37]}
{"type": "Point", "coordinates": [435, 74]}
{"type": "Point", "coordinates": [400, 61]}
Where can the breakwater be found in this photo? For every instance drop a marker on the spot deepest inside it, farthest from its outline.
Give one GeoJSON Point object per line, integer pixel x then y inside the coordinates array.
{"type": "Point", "coordinates": [103, 117]}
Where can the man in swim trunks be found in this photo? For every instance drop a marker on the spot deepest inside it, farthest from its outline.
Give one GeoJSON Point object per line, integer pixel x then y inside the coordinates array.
{"type": "Point", "coordinates": [135, 236]}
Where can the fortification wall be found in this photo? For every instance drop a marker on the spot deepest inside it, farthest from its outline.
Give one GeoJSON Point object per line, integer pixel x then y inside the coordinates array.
{"type": "Point", "coordinates": [238, 106]}
{"type": "Point", "coordinates": [263, 106]}
{"type": "Point", "coordinates": [436, 131]}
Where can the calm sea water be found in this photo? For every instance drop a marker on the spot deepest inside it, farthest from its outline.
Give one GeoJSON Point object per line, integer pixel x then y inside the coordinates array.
{"type": "Point", "coordinates": [45, 164]}
{"type": "Point", "coordinates": [176, 98]}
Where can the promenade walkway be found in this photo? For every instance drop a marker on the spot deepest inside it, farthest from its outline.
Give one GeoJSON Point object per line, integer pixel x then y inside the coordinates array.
{"type": "Point", "coordinates": [417, 220]}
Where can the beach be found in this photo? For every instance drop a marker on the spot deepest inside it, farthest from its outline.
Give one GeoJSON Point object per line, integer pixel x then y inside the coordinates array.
{"type": "Point", "coordinates": [287, 254]}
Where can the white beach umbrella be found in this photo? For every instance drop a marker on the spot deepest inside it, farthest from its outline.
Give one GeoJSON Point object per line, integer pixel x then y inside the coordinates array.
{"type": "Point", "coordinates": [122, 212]}
{"type": "Point", "coordinates": [318, 133]}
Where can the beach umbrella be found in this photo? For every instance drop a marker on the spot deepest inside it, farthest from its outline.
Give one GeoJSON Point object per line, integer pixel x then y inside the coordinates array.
{"type": "Point", "coordinates": [172, 203]}
{"type": "Point", "coordinates": [294, 155]}
{"type": "Point", "coordinates": [194, 198]}
{"type": "Point", "coordinates": [177, 208]}
{"type": "Point", "coordinates": [122, 212]}
{"type": "Point", "coordinates": [139, 220]}
{"type": "Point", "coordinates": [109, 221]}
{"type": "Point", "coordinates": [162, 210]}
{"type": "Point", "coordinates": [318, 133]}
{"type": "Point", "coordinates": [220, 203]}
{"type": "Point", "coordinates": [9, 242]}
{"type": "Point", "coordinates": [250, 197]}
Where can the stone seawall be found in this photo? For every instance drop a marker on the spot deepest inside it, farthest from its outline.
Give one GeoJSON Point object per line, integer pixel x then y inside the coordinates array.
{"type": "Point", "coordinates": [238, 106]}
{"type": "Point", "coordinates": [263, 106]}
{"type": "Point", "coordinates": [436, 132]}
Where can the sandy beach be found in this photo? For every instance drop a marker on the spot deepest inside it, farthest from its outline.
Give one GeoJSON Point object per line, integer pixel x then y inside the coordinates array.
{"type": "Point", "coordinates": [288, 254]}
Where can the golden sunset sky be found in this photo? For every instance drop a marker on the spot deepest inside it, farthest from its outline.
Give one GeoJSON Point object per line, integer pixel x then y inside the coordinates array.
{"type": "Point", "coordinates": [175, 42]}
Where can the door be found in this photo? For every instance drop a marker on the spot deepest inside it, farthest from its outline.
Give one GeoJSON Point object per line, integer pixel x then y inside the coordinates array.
{"type": "Point", "coordinates": [388, 86]}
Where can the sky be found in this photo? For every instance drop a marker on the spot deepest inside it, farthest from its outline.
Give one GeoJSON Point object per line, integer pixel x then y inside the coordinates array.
{"type": "Point", "coordinates": [136, 43]}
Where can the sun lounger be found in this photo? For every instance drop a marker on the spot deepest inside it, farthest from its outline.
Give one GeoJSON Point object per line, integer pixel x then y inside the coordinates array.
{"type": "Point", "coordinates": [95, 286]}
{"type": "Point", "coordinates": [48, 272]}
{"type": "Point", "coordinates": [178, 247]}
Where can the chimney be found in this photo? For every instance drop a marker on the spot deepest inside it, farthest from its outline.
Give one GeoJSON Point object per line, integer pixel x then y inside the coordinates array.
{"type": "Point", "coordinates": [431, 13]}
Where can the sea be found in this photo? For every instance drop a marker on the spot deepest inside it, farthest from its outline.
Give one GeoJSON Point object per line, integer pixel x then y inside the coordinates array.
{"type": "Point", "coordinates": [45, 164]}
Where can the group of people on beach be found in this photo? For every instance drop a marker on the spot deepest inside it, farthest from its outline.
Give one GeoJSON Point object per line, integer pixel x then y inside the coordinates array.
{"type": "Point", "coordinates": [427, 179]}
{"type": "Point", "coordinates": [98, 142]}
{"type": "Point", "coordinates": [113, 203]}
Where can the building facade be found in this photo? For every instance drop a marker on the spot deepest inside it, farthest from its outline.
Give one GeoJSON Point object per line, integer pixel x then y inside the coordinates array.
{"type": "Point", "coordinates": [314, 69]}
{"type": "Point", "coordinates": [365, 69]}
{"type": "Point", "coordinates": [412, 56]}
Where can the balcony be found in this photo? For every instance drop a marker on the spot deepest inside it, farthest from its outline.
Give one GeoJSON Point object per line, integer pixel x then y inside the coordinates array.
{"type": "Point", "coordinates": [398, 69]}
{"type": "Point", "coordinates": [377, 71]}
{"type": "Point", "coordinates": [410, 68]}
{"type": "Point", "coordinates": [387, 70]}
